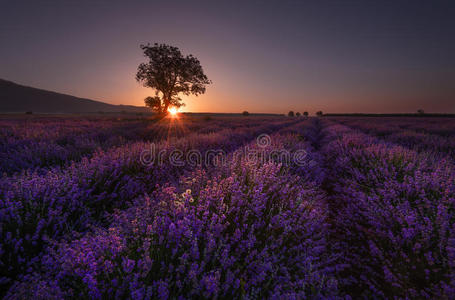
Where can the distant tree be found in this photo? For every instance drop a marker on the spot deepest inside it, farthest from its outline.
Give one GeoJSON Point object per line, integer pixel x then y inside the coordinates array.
{"type": "Point", "coordinates": [290, 114]}
{"type": "Point", "coordinates": [245, 113]}
{"type": "Point", "coordinates": [297, 114]}
{"type": "Point", "coordinates": [319, 113]}
{"type": "Point", "coordinates": [305, 113]}
{"type": "Point", "coordinates": [170, 73]}
{"type": "Point", "coordinates": [420, 111]}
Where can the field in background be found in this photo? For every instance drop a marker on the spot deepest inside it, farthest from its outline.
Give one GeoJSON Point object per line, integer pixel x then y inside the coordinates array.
{"type": "Point", "coordinates": [130, 206]}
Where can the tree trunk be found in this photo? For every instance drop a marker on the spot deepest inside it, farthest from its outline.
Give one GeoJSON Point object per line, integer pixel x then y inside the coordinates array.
{"type": "Point", "coordinates": [166, 106]}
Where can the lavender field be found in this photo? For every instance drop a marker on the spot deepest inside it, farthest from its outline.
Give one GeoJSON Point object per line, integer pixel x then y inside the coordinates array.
{"type": "Point", "coordinates": [244, 207]}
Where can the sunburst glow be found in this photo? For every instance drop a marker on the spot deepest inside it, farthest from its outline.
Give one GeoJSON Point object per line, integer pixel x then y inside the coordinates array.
{"type": "Point", "coordinates": [173, 111]}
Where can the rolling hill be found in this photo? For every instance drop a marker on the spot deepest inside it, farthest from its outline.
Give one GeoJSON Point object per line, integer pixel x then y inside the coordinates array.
{"type": "Point", "coordinates": [16, 98]}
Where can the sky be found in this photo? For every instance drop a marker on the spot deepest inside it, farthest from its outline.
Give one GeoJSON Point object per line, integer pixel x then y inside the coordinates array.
{"type": "Point", "coordinates": [262, 56]}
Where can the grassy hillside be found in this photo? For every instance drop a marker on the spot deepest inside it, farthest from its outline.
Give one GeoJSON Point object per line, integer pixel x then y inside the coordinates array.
{"type": "Point", "coordinates": [18, 98]}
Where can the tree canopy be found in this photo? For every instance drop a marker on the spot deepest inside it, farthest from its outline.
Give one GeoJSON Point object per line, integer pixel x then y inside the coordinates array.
{"type": "Point", "coordinates": [170, 74]}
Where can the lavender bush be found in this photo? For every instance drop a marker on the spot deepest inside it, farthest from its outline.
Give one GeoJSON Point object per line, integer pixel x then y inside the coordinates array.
{"type": "Point", "coordinates": [244, 230]}
{"type": "Point", "coordinates": [36, 208]}
{"type": "Point", "coordinates": [395, 217]}
{"type": "Point", "coordinates": [294, 208]}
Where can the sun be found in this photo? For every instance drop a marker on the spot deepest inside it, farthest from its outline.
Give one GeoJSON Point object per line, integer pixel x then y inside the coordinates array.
{"type": "Point", "coordinates": [173, 111]}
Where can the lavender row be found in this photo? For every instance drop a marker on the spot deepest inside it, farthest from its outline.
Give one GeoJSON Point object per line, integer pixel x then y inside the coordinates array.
{"type": "Point", "coordinates": [248, 229]}
{"type": "Point", "coordinates": [37, 144]}
{"type": "Point", "coordinates": [394, 219]}
{"type": "Point", "coordinates": [383, 126]}
{"type": "Point", "coordinates": [40, 144]}
{"type": "Point", "coordinates": [37, 208]}
{"type": "Point", "coordinates": [408, 135]}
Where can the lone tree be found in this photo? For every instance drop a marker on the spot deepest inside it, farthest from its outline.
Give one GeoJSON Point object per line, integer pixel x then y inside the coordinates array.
{"type": "Point", "coordinates": [290, 114]}
{"type": "Point", "coordinates": [297, 114]}
{"type": "Point", "coordinates": [420, 111]}
{"type": "Point", "coordinates": [245, 113]}
{"type": "Point", "coordinates": [319, 113]}
{"type": "Point", "coordinates": [170, 73]}
{"type": "Point", "coordinates": [305, 113]}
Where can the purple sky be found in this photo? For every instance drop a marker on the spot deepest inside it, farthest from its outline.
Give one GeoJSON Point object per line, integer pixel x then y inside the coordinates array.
{"type": "Point", "coordinates": [262, 56]}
